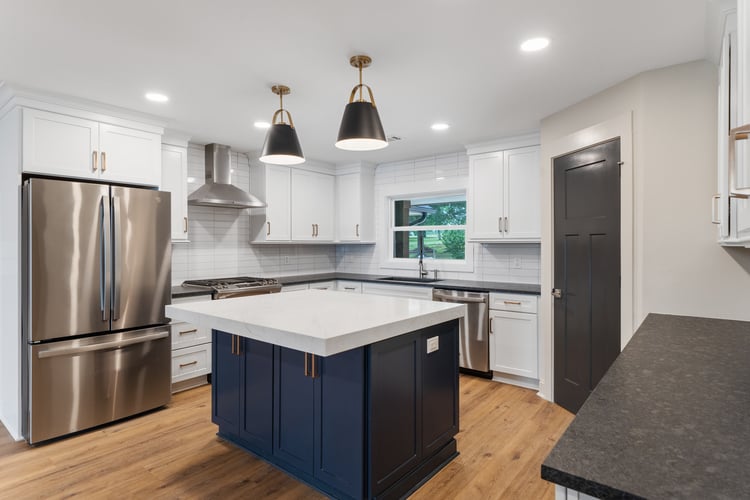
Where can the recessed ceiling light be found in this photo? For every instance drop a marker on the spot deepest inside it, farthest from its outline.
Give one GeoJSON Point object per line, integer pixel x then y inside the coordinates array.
{"type": "Point", "coordinates": [156, 97]}
{"type": "Point", "coordinates": [534, 44]}
{"type": "Point", "coordinates": [262, 125]}
{"type": "Point", "coordinates": [440, 126]}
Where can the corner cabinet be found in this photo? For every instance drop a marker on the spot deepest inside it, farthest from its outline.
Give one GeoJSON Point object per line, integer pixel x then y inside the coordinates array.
{"type": "Point", "coordinates": [731, 205]}
{"type": "Point", "coordinates": [330, 421]}
{"type": "Point", "coordinates": [74, 146]}
{"type": "Point", "coordinates": [299, 207]}
{"type": "Point", "coordinates": [174, 179]}
{"type": "Point", "coordinates": [504, 196]}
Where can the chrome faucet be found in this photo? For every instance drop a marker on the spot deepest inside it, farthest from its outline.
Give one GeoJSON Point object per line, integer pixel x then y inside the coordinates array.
{"type": "Point", "coordinates": [422, 271]}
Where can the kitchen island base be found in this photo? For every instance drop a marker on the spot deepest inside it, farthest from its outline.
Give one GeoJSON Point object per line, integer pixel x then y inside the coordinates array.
{"type": "Point", "coordinates": [372, 422]}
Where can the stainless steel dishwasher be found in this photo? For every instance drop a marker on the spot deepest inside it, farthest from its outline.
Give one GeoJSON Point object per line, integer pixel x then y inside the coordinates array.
{"type": "Point", "coordinates": [474, 340]}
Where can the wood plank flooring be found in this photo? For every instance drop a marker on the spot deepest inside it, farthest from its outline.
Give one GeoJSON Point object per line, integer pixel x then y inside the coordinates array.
{"type": "Point", "coordinates": [505, 434]}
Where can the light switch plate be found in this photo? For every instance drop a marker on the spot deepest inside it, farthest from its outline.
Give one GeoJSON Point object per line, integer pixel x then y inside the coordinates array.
{"type": "Point", "coordinates": [433, 344]}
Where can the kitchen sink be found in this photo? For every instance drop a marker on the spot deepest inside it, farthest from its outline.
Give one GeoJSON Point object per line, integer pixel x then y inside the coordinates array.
{"type": "Point", "coordinates": [406, 279]}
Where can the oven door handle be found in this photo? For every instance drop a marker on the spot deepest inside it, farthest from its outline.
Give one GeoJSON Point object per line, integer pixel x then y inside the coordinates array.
{"type": "Point", "coordinates": [116, 344]}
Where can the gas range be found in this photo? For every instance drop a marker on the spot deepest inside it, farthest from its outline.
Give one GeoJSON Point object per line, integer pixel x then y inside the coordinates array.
{"type": "Point", "coordinates": [236, 287]}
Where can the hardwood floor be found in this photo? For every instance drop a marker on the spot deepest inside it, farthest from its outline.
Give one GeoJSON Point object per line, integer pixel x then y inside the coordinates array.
{"type": "Point", "coordinates": [505, 434]}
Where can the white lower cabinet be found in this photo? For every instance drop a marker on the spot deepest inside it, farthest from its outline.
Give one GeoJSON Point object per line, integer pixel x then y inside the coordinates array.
{"type": "Point", "coordinates": [349, 286]}
{"type": "Point", "coordinates": [514, 335]}
{"type": "Point", "coordinates": [191, 350]}
{"type": "Point", "coordinates": [323, 285]}
{"type": "Point", "coordinates": [294, 288]}
{"type": "Point", "coordinates": [414, 292]}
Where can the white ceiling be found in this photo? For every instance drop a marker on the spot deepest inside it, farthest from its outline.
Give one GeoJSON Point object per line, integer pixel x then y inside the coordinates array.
{"type": "Point", "coordinates": [433, 60]}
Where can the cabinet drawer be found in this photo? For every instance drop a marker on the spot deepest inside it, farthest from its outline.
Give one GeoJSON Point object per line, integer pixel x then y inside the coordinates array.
{"type": "Point", "coordinates": [513, 302]}
{"type": "Point", "coordinates": [187, 335]}
{"type": "Point", "coordinates": [349, 286]}
{"type": "Point", "coordinates": [294, 288]}
{"type": "Point", "coordinates": [323, 285]}
{"type": "Point", "coordinates": [191, 362]}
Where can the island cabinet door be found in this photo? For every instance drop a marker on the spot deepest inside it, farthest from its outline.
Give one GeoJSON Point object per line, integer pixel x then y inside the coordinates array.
{"type": "Point", "coordinates": [339, 421]}
{"type": "Point", "coordinates": [439, 386]}
{"type": "Point", "coordinates": [225, 390]}
{"type": "Point", "coordinates": [293, 409]}
{"type": "Point", "coordinates": [395, 426]}
{"type": "Point", "coordinates": [256, 428]}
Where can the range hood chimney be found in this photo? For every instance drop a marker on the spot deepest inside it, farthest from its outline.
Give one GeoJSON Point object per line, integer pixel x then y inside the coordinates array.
{"type": "Point", "coordinates": [218, 190]}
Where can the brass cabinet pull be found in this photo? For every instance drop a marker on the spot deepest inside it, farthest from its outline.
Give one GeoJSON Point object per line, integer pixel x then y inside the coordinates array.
{"type": "Point", "coordinates": [492, 330]}
{"type": "Point", "coordinates": [183, 365]}
{"type": "Point", "coordinates": [185, 332]}
{"type": "Point", "coordinates": [505, 226]}
{"type": "Point", "coordinates": [95, 161]}
{"type": "Point", "coordinates": [104, 161]}
{"type": "Point", "coordinates": [317, 230]}
{"type": "Point", "coordinates": [184, 225]}
{"type": "Point", "coordinates": [233, 345]}
{"type": "Point", "coordinates": [268, 231]}
{"type": "Point", "coordinates": [313, 374]}
{"type": "Point", "coordinates": [356, 230]}
{"type": "Point", "coordinates": [313, 230]}
{"type": "Point", "coordinates": [306, 369]}
{"type": "Point", "coordinates": [499, 224]}
{"type": "Point", "coordinates": [512, 302]}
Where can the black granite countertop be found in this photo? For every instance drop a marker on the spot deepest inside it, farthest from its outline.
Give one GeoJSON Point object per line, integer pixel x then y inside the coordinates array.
{"type": "Point", "coordinates": [478, 286]}
{"type": "Point", "coordinates": [670, 419]}
{"type": "Point", "coordinates": [180, 291]}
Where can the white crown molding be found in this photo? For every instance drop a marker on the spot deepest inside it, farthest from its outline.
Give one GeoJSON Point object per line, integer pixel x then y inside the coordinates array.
{"type": "Point", "coordinates": [517, 141]}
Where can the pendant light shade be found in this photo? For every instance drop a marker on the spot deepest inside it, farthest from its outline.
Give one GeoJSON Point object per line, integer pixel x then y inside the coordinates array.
{"type": "Point", "coordinates": [282, 145]}
{"type": "Point", "coordinates": [361, 129]}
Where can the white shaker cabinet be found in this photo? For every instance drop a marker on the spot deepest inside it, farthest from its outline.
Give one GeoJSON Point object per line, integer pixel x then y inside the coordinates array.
{"type": "Point", "coordinates": [503, 197]}
{"type": "Point", "coordinates": [272, 184]}
{"type": "Point", "coordinates": [514, 335]}
{"type": "Point", "coordinates": [355, 202]}
{"type": "Point", "coordinates": [70, 146]}
{"type": "Point", "coordinates": [312, 206]}
{"type": "Point", "coordinates": [174, 180]}
{"type": "Point", "coordinates": [191, 350]}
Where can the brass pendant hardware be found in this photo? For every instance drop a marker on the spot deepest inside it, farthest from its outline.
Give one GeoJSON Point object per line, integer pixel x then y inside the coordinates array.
{"type": "Point", "coordinates": [359, 62]}
{"type": "Point", "coordinates": [281, 91]}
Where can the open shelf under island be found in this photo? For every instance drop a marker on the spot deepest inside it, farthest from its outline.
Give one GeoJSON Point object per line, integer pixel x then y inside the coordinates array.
{"type": "Point", "coordinates": [355, 395]}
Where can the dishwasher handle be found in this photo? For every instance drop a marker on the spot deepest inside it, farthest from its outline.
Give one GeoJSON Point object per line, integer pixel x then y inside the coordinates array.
{"type": "Point", "coordinates": [452, 298]}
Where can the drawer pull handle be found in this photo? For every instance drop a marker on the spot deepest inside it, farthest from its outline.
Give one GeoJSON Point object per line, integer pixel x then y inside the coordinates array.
{"type": "Point", "coordinates": [95, 161]}
{"type": "Point", "coordinates": [512, 302]}
{"type": "Point", "coordinates": [268, 231]}
{"type": "Point", "coordinates": [183, 365]}
{"type": "Point", "coordinates": [356, 230]}
{"type": "Point", "coordinates": [184, 225]}
{"type": "Point", "coordinates": [185, 332]}
{"type": "Point", "coordinates": [349, 288]}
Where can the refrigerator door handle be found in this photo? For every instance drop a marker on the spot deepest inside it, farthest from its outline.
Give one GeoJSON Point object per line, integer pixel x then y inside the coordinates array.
{"type": "Point", "coordinates": [116, 344]}
{"type": "Point", "coordinates": [116, 257]}
{"type": "Point", "coordinates": [103, 261]}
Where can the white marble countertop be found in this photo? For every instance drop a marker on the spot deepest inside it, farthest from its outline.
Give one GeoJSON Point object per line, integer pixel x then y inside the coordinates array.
{"type": "Point", "coordinates": [320, 322]}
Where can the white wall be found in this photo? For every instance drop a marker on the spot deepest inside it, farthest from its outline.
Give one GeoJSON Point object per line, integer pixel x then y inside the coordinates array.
{"type": "Point", "coordinates": [678, 268]}
{"type": "Point", "coordinates": [219, 238]}
{"type": "Point", "coordinates": [10, 284]}
{"type": "Point", "coordinates": [492, 262]}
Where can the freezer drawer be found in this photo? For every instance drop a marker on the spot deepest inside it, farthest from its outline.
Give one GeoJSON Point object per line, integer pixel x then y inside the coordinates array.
{"type": "Point", "coordinates": [78, 384]}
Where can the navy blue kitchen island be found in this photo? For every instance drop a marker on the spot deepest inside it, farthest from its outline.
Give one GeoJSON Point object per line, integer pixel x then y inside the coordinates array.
{"type": "Point", "coordinates": [372, 421]}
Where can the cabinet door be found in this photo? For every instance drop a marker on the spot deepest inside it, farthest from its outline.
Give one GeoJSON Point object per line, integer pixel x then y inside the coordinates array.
{"type": "Point", "coordinates": [257, 414]}
{"type": "Point", "coordinates": [485, 197]}
{"type": "Point", "coordinates": [312, 206]}
{"type": "Point", "coordinates": [62, 145]}
{"type": "Point", "coordinates": [132, 156]}
{"type": "Point", "coordinates": [293, 410]}
{"type": "Point", "coordinates": [522, 219]}
{"type": "Point", "coordinates": [278, 198]}
{"type": "Point", "coordinates": [225, 385]}
{"type": "Point", "coordinates": [339, 421]}
{"type": "Point", "coordinates": [174, 180]}
{"type": "Point", "coordinates": [348, 208]}
{"type": "Point", "coordinates": [513, 343]}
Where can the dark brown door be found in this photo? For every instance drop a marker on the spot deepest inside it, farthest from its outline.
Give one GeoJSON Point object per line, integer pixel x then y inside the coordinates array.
{"type": "Point", "coordinates": [587, 269]}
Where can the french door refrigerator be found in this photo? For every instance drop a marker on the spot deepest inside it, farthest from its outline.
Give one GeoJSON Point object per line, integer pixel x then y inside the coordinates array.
{"type": "Point", "coordinates": [97, 275]}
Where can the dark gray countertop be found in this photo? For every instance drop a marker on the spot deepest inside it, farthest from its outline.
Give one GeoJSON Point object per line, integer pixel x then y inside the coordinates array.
{"type": "Point", "coordinates": [670, 419]}
{"type": "Point", "coordinates": [487, 286]}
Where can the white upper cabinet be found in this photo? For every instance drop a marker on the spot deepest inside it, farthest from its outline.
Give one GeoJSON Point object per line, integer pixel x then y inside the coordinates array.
{"type": "Point", "coordinates": [731, 206]}
{"type": "Point", "coordinates": [174, 180]}
{"type": "Point", "coordinates": [272, 184]}
{"type": "Point", "coordinates": [503, 198]}
{"type": "Point", "coordinates": [312, 206]}
{"type": "Point", "coordinates": [355, 201]}
{"type": "Point", "coordinates": [69, 146]}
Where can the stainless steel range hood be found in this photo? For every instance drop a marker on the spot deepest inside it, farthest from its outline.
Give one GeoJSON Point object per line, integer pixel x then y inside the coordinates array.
{"type": "Point", "coordinates": [218, 190]}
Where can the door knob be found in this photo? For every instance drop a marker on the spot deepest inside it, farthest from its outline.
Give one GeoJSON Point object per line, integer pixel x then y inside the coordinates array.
{"type": "Point", "coordinates": [557, 293]}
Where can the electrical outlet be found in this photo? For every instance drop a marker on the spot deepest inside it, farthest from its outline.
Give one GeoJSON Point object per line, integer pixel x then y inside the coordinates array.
{"type": "Point", "coordinates": [433, 344]}
{"type": "Point", "coordinates": [515, 263]}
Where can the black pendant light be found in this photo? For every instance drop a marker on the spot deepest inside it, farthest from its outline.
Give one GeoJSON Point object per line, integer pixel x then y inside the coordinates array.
{"type": "Point", "coordinates": [282, 146]}
{"type": "Point", "coordinates": [360, 128]}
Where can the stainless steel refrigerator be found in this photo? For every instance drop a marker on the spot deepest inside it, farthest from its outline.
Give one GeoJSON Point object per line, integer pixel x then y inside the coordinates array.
{"type": "Point", "coordinates": [97, 275]}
